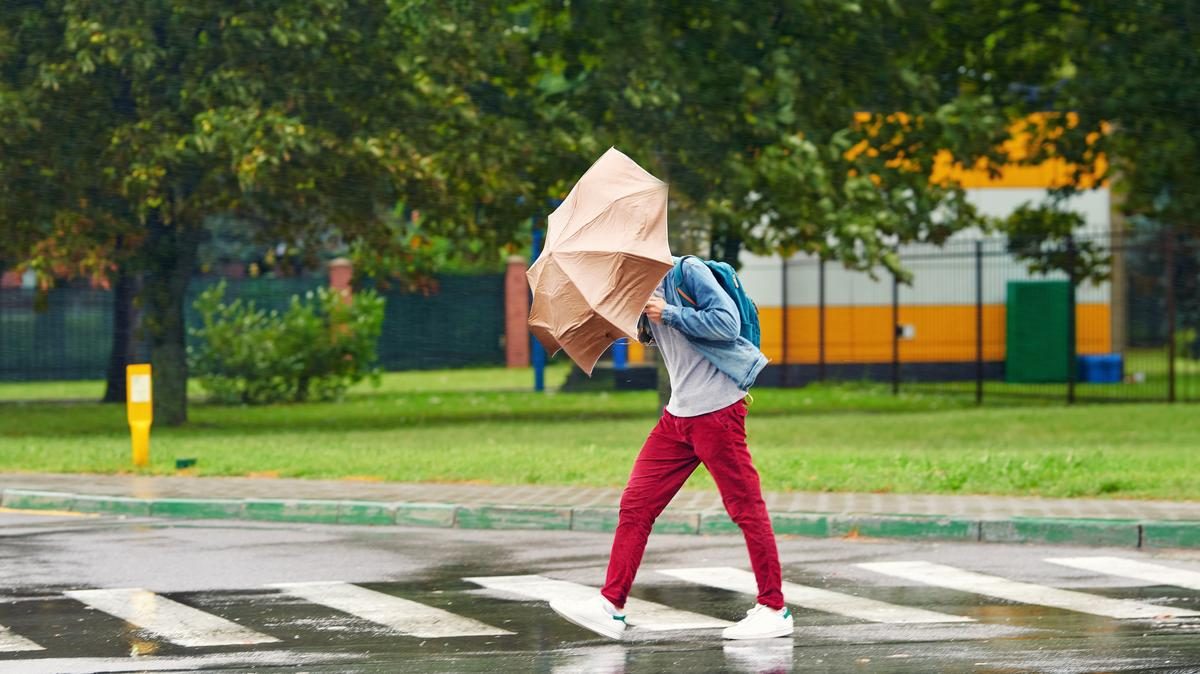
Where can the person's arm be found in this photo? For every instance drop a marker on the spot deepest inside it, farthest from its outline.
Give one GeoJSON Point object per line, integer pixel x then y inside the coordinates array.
{"type": "Point", "coordinates": [713, 317]}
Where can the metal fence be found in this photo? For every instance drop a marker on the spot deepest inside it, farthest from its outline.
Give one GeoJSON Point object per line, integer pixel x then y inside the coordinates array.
{"type": "Point", "coordinates": [461, 324]}
{"type": "Point", "coordinates": [976, 321]}
{"type": "Point", "coordinates": [67, 334]}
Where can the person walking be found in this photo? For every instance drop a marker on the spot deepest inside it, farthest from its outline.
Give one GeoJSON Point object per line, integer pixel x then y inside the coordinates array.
{"type": "Point", "coordinates": [696, 326]}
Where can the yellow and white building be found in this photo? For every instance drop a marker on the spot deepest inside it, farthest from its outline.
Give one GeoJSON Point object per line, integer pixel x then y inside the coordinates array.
{"type": "Point", "coordinates": [938, 311]}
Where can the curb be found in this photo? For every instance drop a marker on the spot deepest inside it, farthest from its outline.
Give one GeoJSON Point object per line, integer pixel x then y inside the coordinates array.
{"type": "Point", "coordinates": [1128, 533]}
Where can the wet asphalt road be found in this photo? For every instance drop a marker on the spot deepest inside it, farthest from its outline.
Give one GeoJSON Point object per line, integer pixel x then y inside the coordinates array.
{"type": "Point", "coordinates": [221, 570]}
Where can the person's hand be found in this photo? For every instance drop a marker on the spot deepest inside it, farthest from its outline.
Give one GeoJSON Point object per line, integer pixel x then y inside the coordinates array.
{"type": "Point", "coordinates": [654, 308]}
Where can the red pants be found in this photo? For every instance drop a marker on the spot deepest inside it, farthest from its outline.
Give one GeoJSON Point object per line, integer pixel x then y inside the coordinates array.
{"type": "Point", "coordinates": [675, 447]}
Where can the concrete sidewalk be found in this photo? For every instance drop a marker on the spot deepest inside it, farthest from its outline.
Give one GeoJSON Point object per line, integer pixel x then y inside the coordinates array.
{"type": "Point", "coordinates": [980, 518]}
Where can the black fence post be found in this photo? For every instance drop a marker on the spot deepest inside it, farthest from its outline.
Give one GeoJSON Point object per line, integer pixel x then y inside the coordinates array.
{"type": "Point", "coordinates": [1072, 357]}
{"type": "Point", "coordinates": [821, 320]}
{"type": "Point", "coordinates": [979, 322]}
{"type": "Point", "coordinates": [1169, 272]}
{"type": "Point", "coordinates": [895, 334]}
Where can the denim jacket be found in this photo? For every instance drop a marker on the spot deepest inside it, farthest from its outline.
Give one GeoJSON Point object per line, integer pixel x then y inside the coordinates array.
{"type": "Point", "coordinates": [712, 325]}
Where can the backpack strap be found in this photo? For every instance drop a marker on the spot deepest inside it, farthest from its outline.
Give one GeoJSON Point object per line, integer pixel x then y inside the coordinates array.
{"type": "Point", "coordinates": [679, 280]}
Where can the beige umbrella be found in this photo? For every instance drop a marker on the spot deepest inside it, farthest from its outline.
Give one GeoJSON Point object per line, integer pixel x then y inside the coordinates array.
{"type": "Point", "coordinates": [606, 250]}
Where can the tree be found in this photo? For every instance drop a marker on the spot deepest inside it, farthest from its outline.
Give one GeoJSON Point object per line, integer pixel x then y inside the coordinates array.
{"type": "Point", "coordinates": [1114, 84]}
{"type": "Point", "coordinates": [1126, 70]}
{"type": "Point", "coordinates": [295, 117]}
{"type": "Point", "coordinates": [749, 111]}
{"type": "Point", "coordinates": [62, 223]}
{"type": "Point", "coordinates": [804, 125]}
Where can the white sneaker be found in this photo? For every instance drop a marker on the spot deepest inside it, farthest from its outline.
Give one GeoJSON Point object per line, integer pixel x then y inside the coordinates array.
{"type": "Point", "coordinates": [761, 622]}
{"type": "Point", "coordinates": [596, 614]}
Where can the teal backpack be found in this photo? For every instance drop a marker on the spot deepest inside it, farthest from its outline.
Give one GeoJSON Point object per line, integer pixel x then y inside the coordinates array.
{"type": "Point", "coordinates": [729, 281]}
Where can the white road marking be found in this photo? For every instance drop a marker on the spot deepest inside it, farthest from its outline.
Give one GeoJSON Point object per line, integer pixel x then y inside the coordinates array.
{"type": "Point", "coordinates": [15, 643]}
{"type": "Point", "coordinates": [968, 581]}
{"type": "Point", "coordinates": [738, 580]}
{"type": "Point", "coordinates": [643, 614]}
{"type": "Point", "coordinates": [179, 624]}
{"type": "Point", "coordinates": [242, 661]}
{"type": "Point", "coordinates": [403, 615]}
{"type": "Point", "coordinates": [1129, 568]}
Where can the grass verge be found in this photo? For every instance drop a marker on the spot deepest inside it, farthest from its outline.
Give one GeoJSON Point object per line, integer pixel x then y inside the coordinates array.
{"type": "Point", "coordinates": [449, 427]}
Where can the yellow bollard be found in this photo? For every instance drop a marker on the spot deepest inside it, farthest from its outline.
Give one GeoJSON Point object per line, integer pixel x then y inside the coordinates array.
{"type": "Point", "coordinates": [140, 407]}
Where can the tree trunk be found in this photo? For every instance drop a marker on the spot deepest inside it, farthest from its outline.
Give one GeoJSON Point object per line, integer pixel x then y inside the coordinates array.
{"type": "Point", "coordinates": [122, 337]}
{"type": "Point", "coordinates": [170, 261]}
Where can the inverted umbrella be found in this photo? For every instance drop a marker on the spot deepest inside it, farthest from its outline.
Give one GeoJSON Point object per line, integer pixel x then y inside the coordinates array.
{"type": "Point", "coordinates": [606, 250]}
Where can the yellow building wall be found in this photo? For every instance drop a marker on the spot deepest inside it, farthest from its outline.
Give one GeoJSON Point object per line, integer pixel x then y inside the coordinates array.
{"type": "Point", "coordinates": [944, 333]}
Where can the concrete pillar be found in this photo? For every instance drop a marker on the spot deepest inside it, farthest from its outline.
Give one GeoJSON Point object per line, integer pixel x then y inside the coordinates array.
{"type": "Point", "coordinates": [340, 273]}
{"type": "Point", "coordinates": [516, 313]}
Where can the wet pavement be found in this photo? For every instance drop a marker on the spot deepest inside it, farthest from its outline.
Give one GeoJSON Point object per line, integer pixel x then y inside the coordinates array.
{"type": "Point", "coordinates": [258, 597]}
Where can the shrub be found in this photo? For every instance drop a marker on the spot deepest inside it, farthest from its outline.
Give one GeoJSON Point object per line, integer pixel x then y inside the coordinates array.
{"type": "Point", "coordinates": [1187, 343]}
{"type": "Point", "coordinates": [316, 349]}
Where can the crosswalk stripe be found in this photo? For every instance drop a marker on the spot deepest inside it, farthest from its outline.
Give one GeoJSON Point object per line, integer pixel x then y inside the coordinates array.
{"type": "Point", "coordinates": [175, 622]}
{"type": "Point", "coordinates": [241, 661]}
{"type": "Point", "coordinates": [646, 615]}
{"type": "Point", "coordinates": [1130, 568]}
{"type": "Point", "coordinates": [403, 615]}
{"type": "Point", "coordinates": [968, 581]}
{"type": "Point", "coordinates": [14, 643]}
{"type": "Point", "coordinates": [738, 580]}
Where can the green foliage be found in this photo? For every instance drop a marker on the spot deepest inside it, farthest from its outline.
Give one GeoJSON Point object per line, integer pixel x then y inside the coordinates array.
{"type": "Point", "coordinates": [125, 126]}
{"type": "Point", "coordinates": [1186, 343]}
{"type": "Point", "coordinates": [316, 349]}
{"type": "Point", "coordinates": [1125, 73]}
{"type": "Point", "coordinates": [416, 252]}
{"type": "Point", "coordinates": [748, 110]}
{"type": "Point", "coordinates": [1134, 86]}
{"type": "Point", "coordinates": [1041, 237]}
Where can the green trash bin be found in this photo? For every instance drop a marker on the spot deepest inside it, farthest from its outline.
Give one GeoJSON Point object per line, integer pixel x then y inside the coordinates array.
{"type": "Point", "coordinates": [1037, 332]}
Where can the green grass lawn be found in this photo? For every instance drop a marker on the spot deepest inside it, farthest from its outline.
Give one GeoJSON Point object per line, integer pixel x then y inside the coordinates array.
{"type": "Point", "coordinates": [478, 426]}
{"type": "Point", "coordinates": [51, 390]}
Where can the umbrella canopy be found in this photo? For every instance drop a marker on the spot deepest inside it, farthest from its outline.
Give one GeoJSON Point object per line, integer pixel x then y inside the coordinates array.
{"type": "Point", "coordinates": [606, 250]}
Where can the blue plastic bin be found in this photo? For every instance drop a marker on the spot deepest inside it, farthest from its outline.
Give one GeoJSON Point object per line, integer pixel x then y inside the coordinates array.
{"type": "Point", "coordinates": [1108, 368]}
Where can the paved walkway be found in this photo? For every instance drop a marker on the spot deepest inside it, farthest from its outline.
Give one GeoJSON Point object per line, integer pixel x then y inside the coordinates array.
{"type": "Point", "coordinates": [978, 507]}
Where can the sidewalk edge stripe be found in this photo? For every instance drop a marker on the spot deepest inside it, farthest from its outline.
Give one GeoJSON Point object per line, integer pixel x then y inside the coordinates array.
{"type": "Point", "coordinates": [1131, 533]}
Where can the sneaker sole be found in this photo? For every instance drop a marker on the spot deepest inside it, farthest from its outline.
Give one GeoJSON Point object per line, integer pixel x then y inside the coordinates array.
{"type": "Point", "coordinates": [614, 634]}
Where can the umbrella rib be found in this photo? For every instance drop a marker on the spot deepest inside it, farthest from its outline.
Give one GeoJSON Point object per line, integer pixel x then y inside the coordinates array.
{"type": "Point", "coordinates": [551, 254]}
{"type": "Point", "coordinates": [605, 315]}
{"type": "Point", "coordinates": [592, 252]}
{"type": "Point", "coordinates": [551, 235]}
{"type": "Point", "coordinates": [609, 319]}
{"type": "Point", "coordinates": [605, 210]}
{"type": "Point", "coordinates": [597, 163]}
